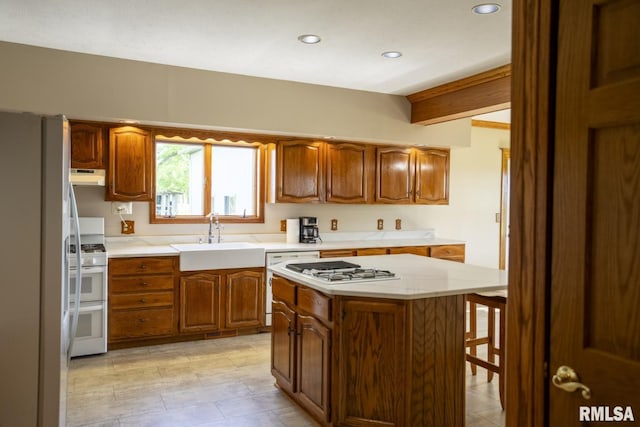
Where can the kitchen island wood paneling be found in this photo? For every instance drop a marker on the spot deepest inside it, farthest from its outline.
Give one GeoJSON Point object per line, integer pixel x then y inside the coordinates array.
{"type": "Point", "coordinates": [395, 348]}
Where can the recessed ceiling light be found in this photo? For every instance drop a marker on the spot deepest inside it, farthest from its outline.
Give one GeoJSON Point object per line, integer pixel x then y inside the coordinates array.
{"type": "Point", "coordinates": [309, 38]}
{"type": "Point", "coordinates": [486, 8]}
{"type": "Point", "coordinates": [392, 54]}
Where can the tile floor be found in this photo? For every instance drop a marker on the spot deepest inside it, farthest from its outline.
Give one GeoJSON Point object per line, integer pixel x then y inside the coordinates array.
{"type": "Point", "coordinates": [222, 382]}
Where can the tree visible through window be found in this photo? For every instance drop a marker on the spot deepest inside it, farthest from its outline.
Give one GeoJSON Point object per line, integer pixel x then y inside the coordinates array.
{"type": "Point", "coordinates": [193, 179]}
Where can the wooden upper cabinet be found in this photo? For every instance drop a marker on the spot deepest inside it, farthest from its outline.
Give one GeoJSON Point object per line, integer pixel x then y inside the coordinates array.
{"type": "Point", "coordinates": [87, 146]}
{"type": "Point", "coordinates": [432, 176]}
{"type": "Point", "coordinates": [130, 172]}
{"type": "Point", "coordinates": [394, 175]}
{"type": "Point", "coordinates": [350, 172]}
{"type": "Point", "coordinates": [299, 171]}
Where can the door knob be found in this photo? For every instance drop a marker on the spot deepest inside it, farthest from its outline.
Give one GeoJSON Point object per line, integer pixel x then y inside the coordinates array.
{"type": "Point", "coordinates": [567, 380]}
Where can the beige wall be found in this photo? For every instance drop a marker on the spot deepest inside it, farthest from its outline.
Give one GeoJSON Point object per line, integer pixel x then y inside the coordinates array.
{"type": "Point", "coordinates": [93, 87]}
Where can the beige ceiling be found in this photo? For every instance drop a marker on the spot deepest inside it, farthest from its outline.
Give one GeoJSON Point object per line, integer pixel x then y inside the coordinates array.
{"type": "Point", "coordinates": [441, 40]}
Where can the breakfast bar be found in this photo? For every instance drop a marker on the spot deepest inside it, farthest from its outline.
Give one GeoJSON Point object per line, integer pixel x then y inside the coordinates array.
{"type": "Point", "coordinates": [385, 351]}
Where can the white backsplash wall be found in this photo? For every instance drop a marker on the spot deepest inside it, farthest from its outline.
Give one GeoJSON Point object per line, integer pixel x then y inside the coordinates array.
{"type": "Point", "coordinates": [470, 216]}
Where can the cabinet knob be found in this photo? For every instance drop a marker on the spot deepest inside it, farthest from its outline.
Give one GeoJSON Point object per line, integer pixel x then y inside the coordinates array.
{"type": "Point", "coordinates": [142, 267]}
{"type": "Point", "coordinates": [143, 301]}
{"type": "Point", "coordinates": [142, 320]}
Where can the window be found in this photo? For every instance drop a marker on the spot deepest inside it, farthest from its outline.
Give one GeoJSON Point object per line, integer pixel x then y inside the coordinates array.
{"type": "Point", "coordinates": [194, 178]}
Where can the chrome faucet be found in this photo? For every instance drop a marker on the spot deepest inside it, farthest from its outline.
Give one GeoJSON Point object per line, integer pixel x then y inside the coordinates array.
{"type": "Point", "coordinates": [217, 224]}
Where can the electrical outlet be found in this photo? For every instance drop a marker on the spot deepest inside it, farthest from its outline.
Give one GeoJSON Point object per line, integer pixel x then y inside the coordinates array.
{"type": "Point", "coordinates": [283, 225]}
{"type": "Point", "coordinates": [380, 224]}
{"type": "Point", "coordinates": [121, 208]}
{"type": "Point", "coordinates": [334, 225]}
{"type": "Point", "coordinates": [127, 227]}
{"type": "Point", "coordinates": [398, 224]}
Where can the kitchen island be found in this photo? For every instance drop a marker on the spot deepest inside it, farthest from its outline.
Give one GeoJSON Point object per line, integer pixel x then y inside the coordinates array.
{"type": "Point", "coordinates": [379, 353]}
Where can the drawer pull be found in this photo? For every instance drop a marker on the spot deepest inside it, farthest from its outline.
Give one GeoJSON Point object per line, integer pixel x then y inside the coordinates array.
{"type": "Point", "coordinates": [142, 320]}
{"type": "Point", "coordinates": [143, 301]}
{"type": "Point", "coordinates": [144, 284]}
{"type": "Point", "coordinates": [142, 267]}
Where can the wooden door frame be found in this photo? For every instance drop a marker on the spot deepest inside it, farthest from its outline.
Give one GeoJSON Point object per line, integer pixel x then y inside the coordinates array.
{"type": "Point", "coordinates": [533, 63]}
{"type": "Point", "coordinates": [504, 206]}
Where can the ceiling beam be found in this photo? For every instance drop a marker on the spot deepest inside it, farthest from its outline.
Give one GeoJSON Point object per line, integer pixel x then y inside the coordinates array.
{"type": "Point", "coordinates": [478, 94]}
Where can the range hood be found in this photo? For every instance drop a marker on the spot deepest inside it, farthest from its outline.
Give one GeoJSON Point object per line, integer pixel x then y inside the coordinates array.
{"type": "Point", "coordinates": [87, 176]}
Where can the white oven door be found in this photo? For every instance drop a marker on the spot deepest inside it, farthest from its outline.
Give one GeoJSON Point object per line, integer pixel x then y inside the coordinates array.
{"type": "Point", "coordinates": [91, 336]}
{"type": "Point", "coordinates": [93, 285]}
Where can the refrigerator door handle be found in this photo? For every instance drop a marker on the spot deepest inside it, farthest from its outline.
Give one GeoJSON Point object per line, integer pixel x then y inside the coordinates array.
{"type": "Point", "coordinates": [76, 306]}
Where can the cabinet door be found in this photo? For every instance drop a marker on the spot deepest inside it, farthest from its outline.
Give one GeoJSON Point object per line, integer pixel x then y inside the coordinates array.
{"type": "Point", "coordinates": [313, 367]}
{"type": "Point", "coordinates": [283, 332]}
{"type": "Point", "coordinates": [130, 172]}
{"type": "Point", "coordinates": [87, 146]}
{"type": "Point", "coordinates": [349, 172]}
{"type": "Point", "coordinates": [394, 175]}
{"type": "Point", "coordinates": [299, 171]}
{"type": "Point", "coordinates": [370, 328]}
{"type": "Point", "coordinates": [416, 250]}
{"type": "Point", "coordinates": [244, 299]}
{"type": "Point", "coordinates": [432, 177]}
{"type": "Point", "coordinates": [200, 302]}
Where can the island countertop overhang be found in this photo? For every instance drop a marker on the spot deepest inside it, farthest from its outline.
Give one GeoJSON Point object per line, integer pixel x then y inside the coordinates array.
{"type": "Point", "coordinates": [419, 277]}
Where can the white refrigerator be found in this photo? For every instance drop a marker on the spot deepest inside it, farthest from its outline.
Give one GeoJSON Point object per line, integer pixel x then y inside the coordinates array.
{"type": "Point", "coordinates": [36, 207]}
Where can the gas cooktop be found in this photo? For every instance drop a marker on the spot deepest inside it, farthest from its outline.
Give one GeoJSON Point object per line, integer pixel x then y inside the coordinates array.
{"type": "Point", "coordinates": [341, 271]}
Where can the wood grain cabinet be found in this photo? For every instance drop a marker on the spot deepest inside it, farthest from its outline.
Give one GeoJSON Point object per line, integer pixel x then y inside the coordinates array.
{"type": "Point", "coordinates": [412, 175]}
{"type": "Point", "coordinates": [219, 300]}
{"type": "Point", "coordinates": [88, 146]}
{"type": "Point", "coordinates": [449, 252]}
{"type": "Point", "coordinates": [130, 171]}
{"type": "Point", "coordinates": [142, 298]}
{"type": "Point", "coordinates": [299, 171]}
{"type": "Point", "coordinates": [395, 168]}
{"type": "Point", "coordinates": [200, 302]}
{"type": "Point", "coordinates": [301, 343]}
{"type": "Point", "coordinates": [432, 176]}
{"type": "Point", "coordinates": [349, 173]}
{"type": "Point", "coordinates": [244, 295]}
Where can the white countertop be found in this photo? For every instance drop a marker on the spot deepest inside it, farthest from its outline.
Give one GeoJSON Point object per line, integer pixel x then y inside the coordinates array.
{"type": "Point", "coordinates": [420, 277]}
{"type": "Point", "coordinates": [120, 247]}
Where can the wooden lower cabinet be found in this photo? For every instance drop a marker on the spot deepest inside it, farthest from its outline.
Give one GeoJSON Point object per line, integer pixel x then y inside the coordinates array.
{"type": "Point", "coordinates": [200, 302]}
{"type": "Point", "coordinates": [244, 296]}
{"type": "Point", "coordinates": [301, 346]}
{"type": "Point", "coordinates": [142, 299]}
{"type": "Point", "coordinates": [218, 300]}
{"type": "Point", "coordinates": [374, 362]}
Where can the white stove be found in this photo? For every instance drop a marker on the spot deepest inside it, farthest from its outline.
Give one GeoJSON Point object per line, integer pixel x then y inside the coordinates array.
{"type": "Point", "coordinates": [341, 272]}
{"type": "Point", "coordinates": [91, 335]}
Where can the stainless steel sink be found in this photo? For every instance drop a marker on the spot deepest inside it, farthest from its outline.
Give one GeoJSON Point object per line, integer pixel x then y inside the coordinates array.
{"type": "Point", "coordinates": [214, 256]}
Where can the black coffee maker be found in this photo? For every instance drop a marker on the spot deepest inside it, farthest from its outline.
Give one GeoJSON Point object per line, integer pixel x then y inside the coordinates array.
{"type": "Point", "coordinates": [309, 229]}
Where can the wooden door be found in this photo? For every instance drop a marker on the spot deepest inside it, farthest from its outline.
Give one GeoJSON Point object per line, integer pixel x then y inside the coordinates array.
{"type": "Point", "coordinates": [200, 302]}
{"type": "Point", "coordinates": [244, 295]}
{"type": "Point", "coordinates": [130, 172]}
{"type": "Point", "coordinates": [283, 332]}
{"type": "Point", "coordinates": [394, 175]}
{"type": "Point", "coordinates": [87, 146]}
{"type": "Point", "coordinates": [595, 275]}
{"type": "Point", "coordinates": [349, 172]}
{"type": "Point", "coordinates": [299, 171]}
{"type": "Point", "coordinates": [313, 366]}
{"type": "Point", "coordinates": [432, 177]}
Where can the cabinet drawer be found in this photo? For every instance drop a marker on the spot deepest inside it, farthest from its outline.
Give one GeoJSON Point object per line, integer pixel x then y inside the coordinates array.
{"type": "Point", "coordinates": [416, 250]}
{"type": "Point", "coordinates": [371, 251]}
{"type": "Point", "coordinates": [283, 290]}
{"type": "Point", "coordinates": [141, 283]}
{"type": "Point", "coordinates": [141, 323]}
{"type": "Point", "coordinates": [141, 265]}
{"type": "Point", "coordinates": [141, 300]}
{"type": "Point", "coordinates": [337, 253]}
{"type": "Point", "coordinates": [315, 303]}
{"type": "Point", "coordinates": [450, 252]}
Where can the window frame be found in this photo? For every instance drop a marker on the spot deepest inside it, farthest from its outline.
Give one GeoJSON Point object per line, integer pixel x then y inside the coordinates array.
{"type": "Point", "coordinates": [208, 143]}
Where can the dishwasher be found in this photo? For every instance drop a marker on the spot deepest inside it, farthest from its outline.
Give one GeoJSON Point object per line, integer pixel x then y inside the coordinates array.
{"type": "Point", "coordinates": [276, 258]}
